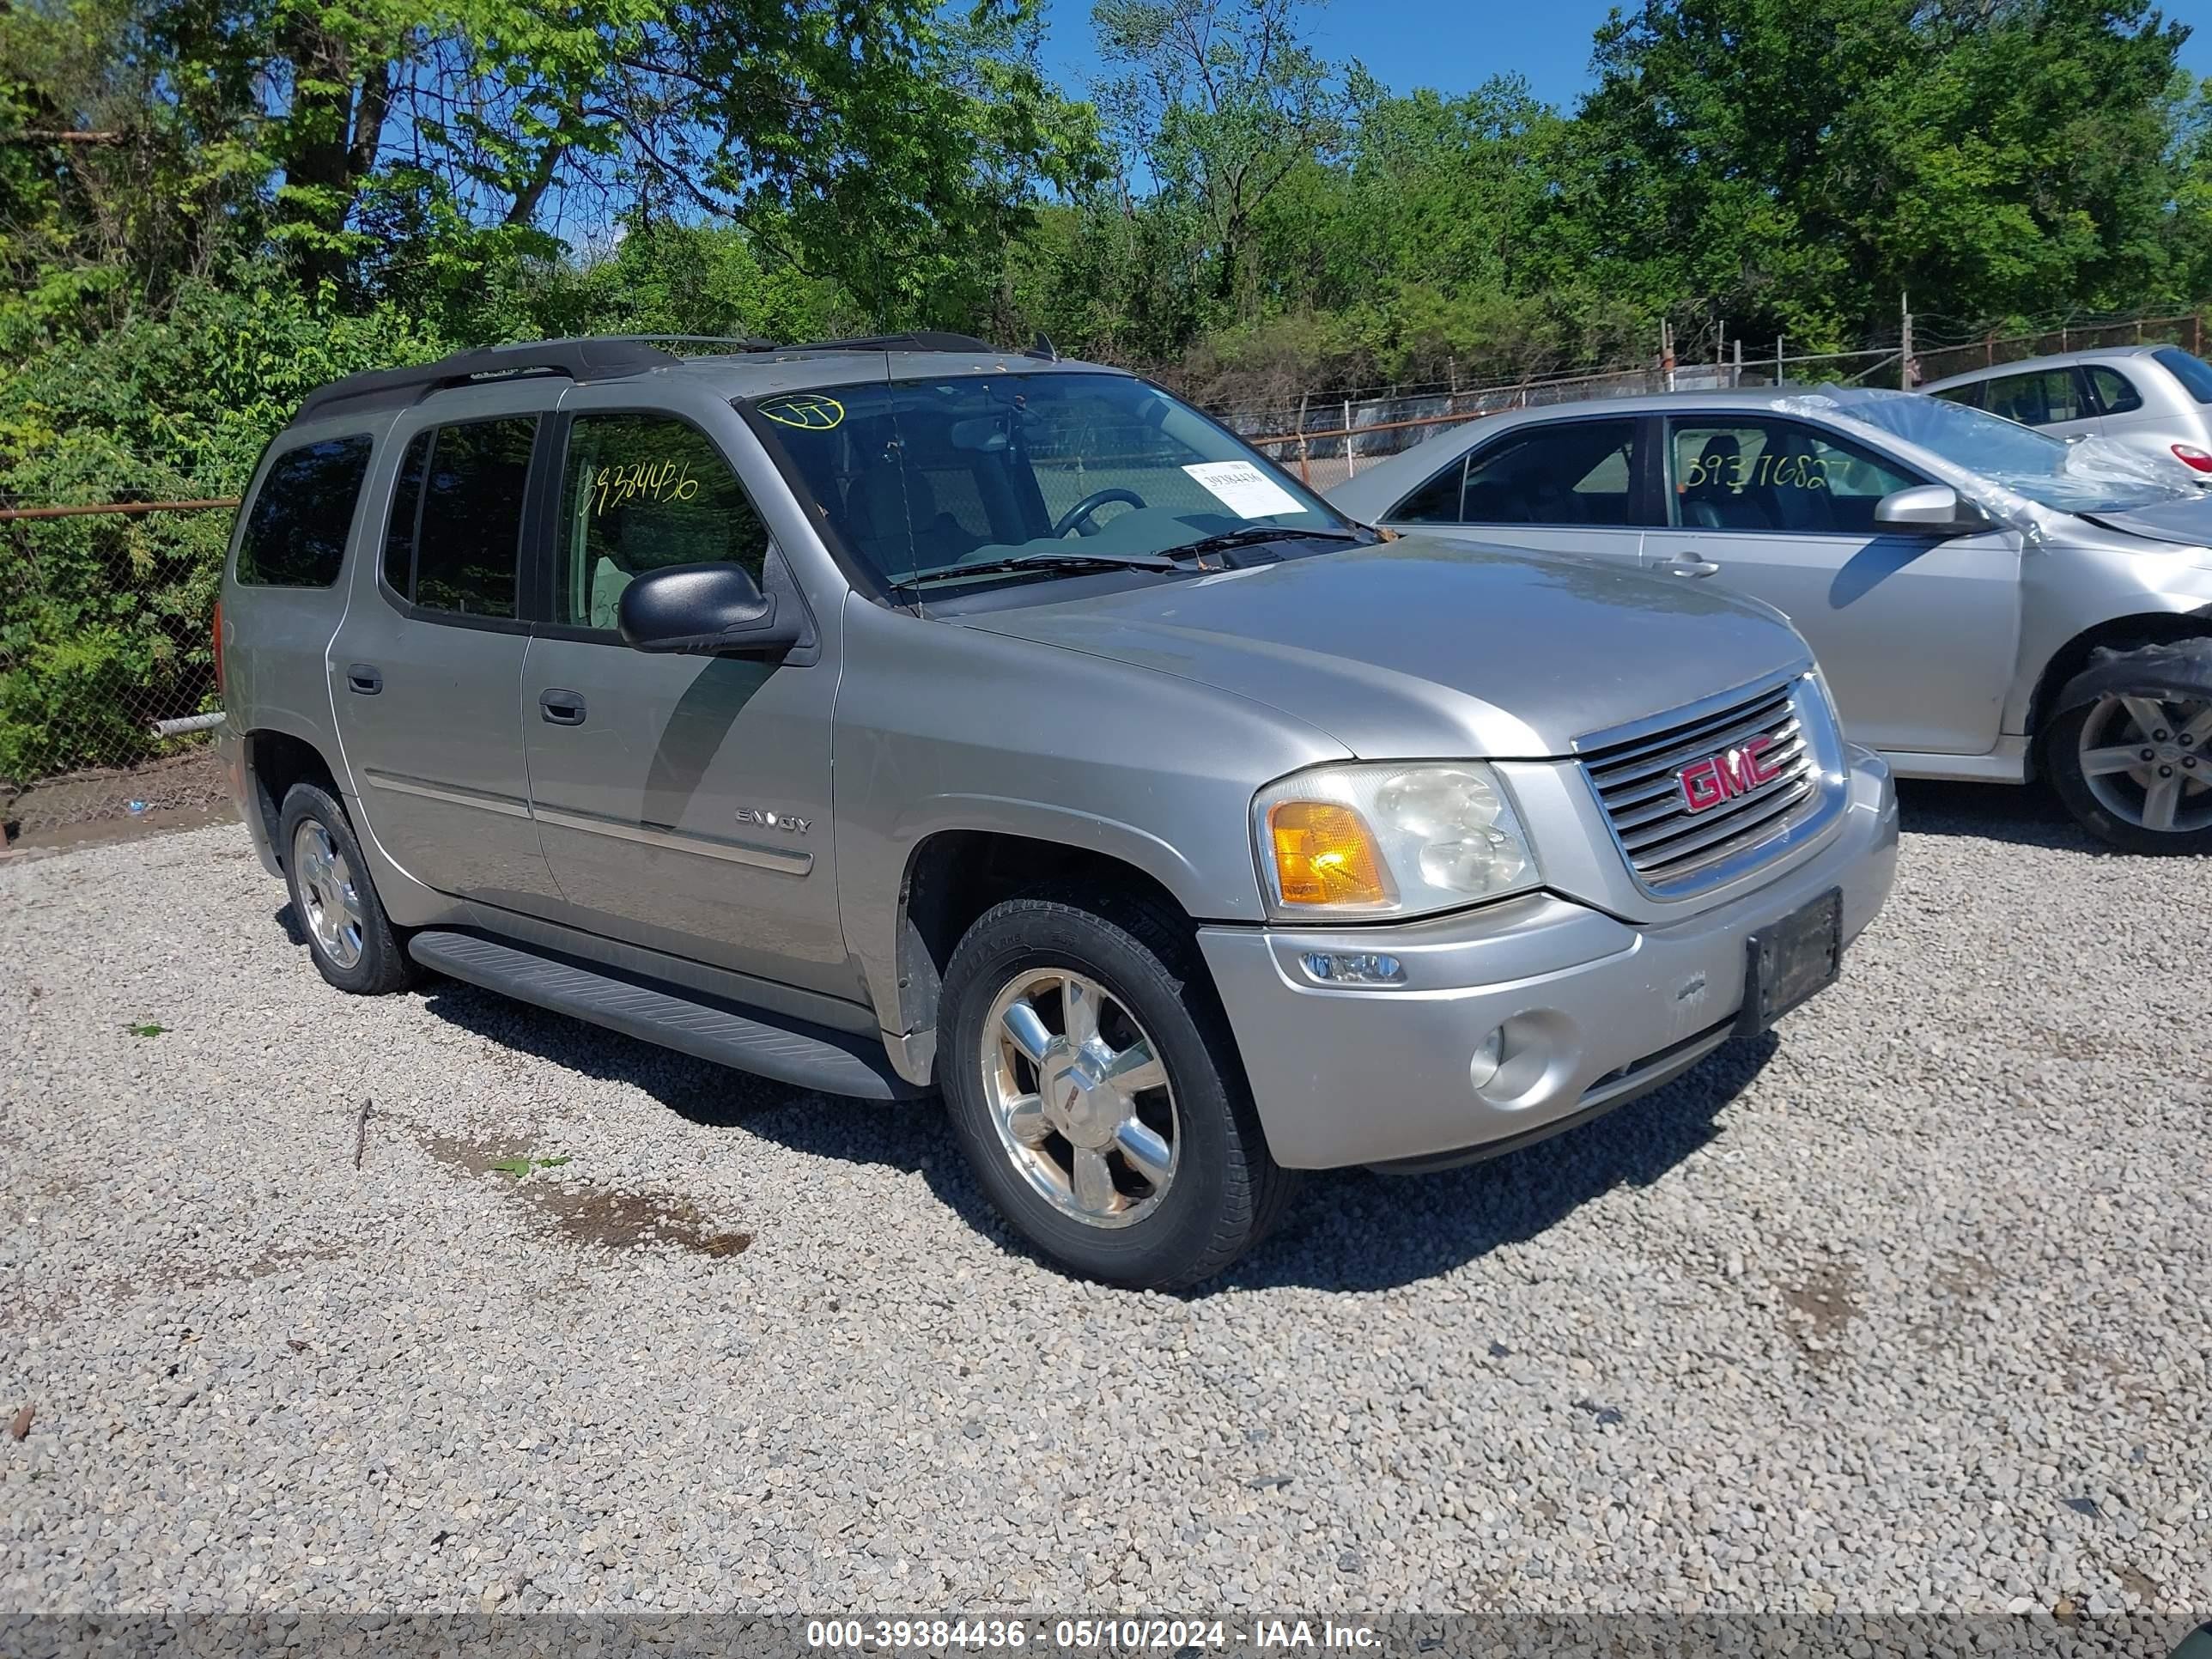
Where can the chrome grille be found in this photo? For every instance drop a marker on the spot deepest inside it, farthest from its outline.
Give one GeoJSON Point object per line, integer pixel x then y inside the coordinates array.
{"type": "Point", "coordinates": [1638, 781]}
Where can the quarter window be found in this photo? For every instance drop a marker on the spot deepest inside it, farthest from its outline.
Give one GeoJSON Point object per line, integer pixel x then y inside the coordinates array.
{"type": "Point", "coordinates": [1775, 475]}
{"type": "Point", "coordinates": [640, 493]}
{"type": "Point", "coordinates": [461, 488]}
{"type": "Point", "coordinates": [1573, 473]}
{"type": "Point", "coordinates": [295, 536]}
{"type": "Point", "coordinates": [2115, 393]}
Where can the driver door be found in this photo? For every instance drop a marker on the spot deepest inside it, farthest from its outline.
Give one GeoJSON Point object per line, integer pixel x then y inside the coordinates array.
{"type": "Point", "coordinates": [1916, 632]}
{"type": "Point", "coordinates": [682, 801]}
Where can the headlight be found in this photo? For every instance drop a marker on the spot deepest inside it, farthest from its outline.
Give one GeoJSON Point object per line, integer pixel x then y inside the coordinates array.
{"type": "Point", "coordinates": [1387, 839]}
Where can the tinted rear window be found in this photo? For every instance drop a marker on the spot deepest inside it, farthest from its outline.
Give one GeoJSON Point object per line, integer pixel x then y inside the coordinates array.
{"type": "Point", "coordinates": [469, 538]}
{"type": "Point", "coordinates": [2194, 373]}
{"type": "Point", "coordinates": [295, 536]}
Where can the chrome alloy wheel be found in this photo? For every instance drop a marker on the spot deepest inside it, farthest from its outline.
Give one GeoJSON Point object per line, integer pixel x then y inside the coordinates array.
{"type": "Point", "coordinates": [2149, 761]}
{"type": "Point", "coordinates": [1081, 1097]}
{"type": "Point", "coordinates": [327, 893]}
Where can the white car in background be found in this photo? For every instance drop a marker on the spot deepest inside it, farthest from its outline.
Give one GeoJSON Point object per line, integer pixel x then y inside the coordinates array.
{"type": "Point", "coordinates": [2153, 399]}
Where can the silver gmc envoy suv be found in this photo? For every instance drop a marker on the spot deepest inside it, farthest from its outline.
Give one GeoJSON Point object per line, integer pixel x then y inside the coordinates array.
{"type": "Point", "coordinates": [900, 715]}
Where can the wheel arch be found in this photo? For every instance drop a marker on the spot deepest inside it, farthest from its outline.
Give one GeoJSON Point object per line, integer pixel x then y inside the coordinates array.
{"type": "Point", "coordinates": [954, 874]}
{"type": "Point", "coordinates": [2073, 659]}
{"type": "Point", "coordinates": [275, 761]}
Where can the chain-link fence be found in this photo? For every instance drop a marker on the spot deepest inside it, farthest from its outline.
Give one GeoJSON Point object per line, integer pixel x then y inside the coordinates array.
{"type": "Point", "coordinates": [107, 662]}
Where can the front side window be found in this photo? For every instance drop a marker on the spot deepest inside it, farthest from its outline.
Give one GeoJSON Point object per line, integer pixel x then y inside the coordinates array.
{"type": "Point", "coordinates": [1731, 474]}
{"type": "Point", "coordinates": [639, 493]}
{"type": "Point", "coordinates": [2115, 393]}
{"type": "Point", "coordinates": [462, 489]}
{"type": "Point", "coordinates": [1435, 501]}
{"type": "Point", "coordinates": [2047, 396]}
{"type": "Point", "coordinates": [1573, 473]}
{"type": "Point", "coordinates": [295, 536]}
{"type": "Point", "coordinates": [2194, 373]}
{"type": "Point", "coordinates": [918, 479]}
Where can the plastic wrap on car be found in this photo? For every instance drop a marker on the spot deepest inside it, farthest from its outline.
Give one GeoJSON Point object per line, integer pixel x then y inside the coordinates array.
{"type": "Point", "coordinates": [1878, 415]}
{"type": "Point", "coordinates": [2179, 670]}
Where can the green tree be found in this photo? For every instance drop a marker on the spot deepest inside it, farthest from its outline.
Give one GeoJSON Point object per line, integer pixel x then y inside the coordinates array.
{"type": "Point", "coordinates": [1794, 164]}
{"type": "Point", "coordinates": [1220, 102]}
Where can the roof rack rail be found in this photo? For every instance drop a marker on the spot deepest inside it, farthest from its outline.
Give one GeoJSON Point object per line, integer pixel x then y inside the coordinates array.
{"type": "Point", "coordinates": [589, 358]}
{"type": "Point", "coordinates": [742, 342]}
{"type": "Point", "coordinates": [919, 340]}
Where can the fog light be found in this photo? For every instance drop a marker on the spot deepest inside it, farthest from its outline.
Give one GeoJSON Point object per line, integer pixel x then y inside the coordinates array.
{"type": "Point", "coordinates": [1488, 1057]}
{"type": "Point", "coordinates": [1331, 968]}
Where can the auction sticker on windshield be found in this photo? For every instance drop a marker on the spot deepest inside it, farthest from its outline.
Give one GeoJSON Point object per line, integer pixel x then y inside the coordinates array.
{"type": "Point", "coordinates": [1244, 490]}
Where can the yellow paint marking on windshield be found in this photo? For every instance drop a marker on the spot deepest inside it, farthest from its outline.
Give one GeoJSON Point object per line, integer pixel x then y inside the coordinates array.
{"type": "Point", "coordinates": [810, 412]}
{"type": "Point", "coordinates": [660, 481]}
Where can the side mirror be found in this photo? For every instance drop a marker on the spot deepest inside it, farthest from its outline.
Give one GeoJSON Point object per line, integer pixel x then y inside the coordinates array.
{"type": "Point", "coordinates": [1927, 507]}
{"type": "Point", "coordinates": [704, 610]}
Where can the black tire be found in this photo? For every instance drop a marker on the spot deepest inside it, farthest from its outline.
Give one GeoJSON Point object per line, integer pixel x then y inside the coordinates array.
{"type": "Point", "coordinates": [383, 965]}
{"type": "Point", "coordinates": [2179, 676]}
{"type": "Point", "coordinates": [1226, 1192]}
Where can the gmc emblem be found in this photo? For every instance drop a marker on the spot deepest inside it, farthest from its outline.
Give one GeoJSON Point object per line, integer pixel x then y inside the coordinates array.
{"type": "Point", "coordinates": [1733, 772]}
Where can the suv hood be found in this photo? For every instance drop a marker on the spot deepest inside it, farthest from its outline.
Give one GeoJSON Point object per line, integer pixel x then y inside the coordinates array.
{"type": "Point", "coordinates": [2187, 521]}
{"type": "Point", "coordinates": [1423, 648]}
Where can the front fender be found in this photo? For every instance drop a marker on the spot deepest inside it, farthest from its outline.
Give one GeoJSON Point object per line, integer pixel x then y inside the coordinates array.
{"type": "Point", "coordinates": [1066, 826]}
{"type": "Point", "coordinates": [942, 727]}
{"type": "Point", "coordinates": [2180, 670]}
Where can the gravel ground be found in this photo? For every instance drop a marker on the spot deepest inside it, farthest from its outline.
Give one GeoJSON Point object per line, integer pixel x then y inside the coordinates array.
{"type": "Point", "coordinates": [1904, 1309]}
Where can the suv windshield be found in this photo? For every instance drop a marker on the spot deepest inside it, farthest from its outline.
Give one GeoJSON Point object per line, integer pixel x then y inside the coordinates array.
{"type": "Point", "coordinates": [921, 479]}
{"type": "Point", "coordinates": [2090, 476]}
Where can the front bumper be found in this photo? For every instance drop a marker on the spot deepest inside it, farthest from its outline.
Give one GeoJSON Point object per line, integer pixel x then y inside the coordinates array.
{"type": "Point", "coordinates": [1600, 1010]}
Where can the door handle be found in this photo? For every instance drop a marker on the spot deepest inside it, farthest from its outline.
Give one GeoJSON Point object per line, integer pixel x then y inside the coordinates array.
{"type": "Point", "coordinates": [1690, 564]}
{"type": "Point", "coordinates": [561, 707]}
{"type": "Point", "coordinates": [364, 678]}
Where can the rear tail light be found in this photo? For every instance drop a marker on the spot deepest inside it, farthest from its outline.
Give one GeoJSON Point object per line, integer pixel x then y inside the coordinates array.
{"type": "Point", "coordinates": [2190, 456]}
{"type": "Point", "coordinates": [218, 647]}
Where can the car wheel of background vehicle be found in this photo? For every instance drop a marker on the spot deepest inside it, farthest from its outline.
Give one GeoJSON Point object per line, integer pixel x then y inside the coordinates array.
{"type": "Point", "coordinates": [1094, 1084]}
{"type": "Point", "coordinates": [2134, 766]}
{"type": "Point", "coordinates": [349, 935]}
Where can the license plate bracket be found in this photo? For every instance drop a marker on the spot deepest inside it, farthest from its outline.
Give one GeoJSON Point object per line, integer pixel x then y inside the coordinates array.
{"type": "Point", "coordinates": [1789, 960]}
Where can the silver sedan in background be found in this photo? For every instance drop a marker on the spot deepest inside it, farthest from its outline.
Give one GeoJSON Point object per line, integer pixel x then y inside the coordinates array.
{"type": "Point", "coordinates": [1987, 602]}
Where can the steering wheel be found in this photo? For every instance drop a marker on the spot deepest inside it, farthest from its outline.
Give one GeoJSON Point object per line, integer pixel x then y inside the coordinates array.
{"type": "Point", "coordinates": [1078, 516]}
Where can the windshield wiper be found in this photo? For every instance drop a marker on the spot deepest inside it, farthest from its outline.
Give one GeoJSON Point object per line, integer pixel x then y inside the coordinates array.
{"type": "Point", "coordinates": [1042, 562]}
{"type": "Point", "coordinates": [1250, 533]}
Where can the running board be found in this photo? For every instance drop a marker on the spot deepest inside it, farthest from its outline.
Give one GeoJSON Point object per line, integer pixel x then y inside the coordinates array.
{"type": "Point", "coordinates": [808, 1056]}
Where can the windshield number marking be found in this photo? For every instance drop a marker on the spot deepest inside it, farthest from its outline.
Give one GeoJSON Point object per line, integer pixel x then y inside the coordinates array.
{"type": "Point", "coordinates": [661, 480]}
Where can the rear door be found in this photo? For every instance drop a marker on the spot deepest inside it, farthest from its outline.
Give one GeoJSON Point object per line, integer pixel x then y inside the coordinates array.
{"type": "Point", "coordinates": [425, 671]}
{"type": "Point", "coordinates": [1553, 487]}
{"type": "Point", "coordinates": [684, 801]}
{"type": "Point", "coordinates": [1917, 633]}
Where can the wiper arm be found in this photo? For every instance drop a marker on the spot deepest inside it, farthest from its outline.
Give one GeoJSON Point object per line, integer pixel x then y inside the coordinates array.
{"type": "Point", "coordinates": [1250, 533]}
{"type": "Point", "coordinates": [1042, 562]}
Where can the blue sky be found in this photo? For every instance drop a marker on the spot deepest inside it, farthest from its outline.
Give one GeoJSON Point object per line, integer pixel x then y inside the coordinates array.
{"type": "Point", "coordinates": [1455, 45]}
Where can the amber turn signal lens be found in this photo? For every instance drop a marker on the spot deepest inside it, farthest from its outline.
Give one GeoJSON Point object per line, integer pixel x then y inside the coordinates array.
{"type": "Point", "coordinates": [1324, 854]}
